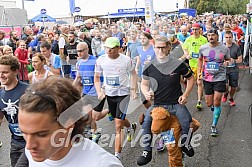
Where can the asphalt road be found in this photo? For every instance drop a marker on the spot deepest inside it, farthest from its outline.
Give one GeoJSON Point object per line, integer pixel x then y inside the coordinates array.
{"type": "Point", "coordinates": [232, 148]}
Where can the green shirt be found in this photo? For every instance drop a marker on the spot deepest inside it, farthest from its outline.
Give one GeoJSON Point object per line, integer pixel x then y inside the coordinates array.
{"type": "Point", "coordinates": [193, 45]}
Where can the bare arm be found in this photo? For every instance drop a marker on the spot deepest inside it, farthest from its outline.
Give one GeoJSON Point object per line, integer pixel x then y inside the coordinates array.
{"type": "Point", "coordinates": [1, 117]}
{"type": "Point", "coordinates": [97, 83]}
{"type": "Point", "coordinates": [145, 88]}
{"type": "Point", "coordinates": [55, 71]}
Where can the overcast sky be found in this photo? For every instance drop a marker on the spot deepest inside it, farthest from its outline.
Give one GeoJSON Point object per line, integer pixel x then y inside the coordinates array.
{"type": "Point", "coordinates": [60, 8]}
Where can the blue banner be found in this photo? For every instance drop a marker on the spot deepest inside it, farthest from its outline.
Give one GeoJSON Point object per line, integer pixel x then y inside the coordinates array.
{"type": "Point", "coordinates": [72, 5]}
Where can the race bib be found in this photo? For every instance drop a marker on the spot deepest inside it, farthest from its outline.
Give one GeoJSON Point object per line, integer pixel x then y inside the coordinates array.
{"type": "Point", "coordinates": [112, 81]}
{"type": "Point", "coordinates": [212, 66]}
{"type": "Point", "coordinates": [195, 55]}
{"type": "Point", "coordinates": [15, 129]}
{"type": "Point", "coordinates": [87, 81]}
{"type": "Point", "coordinates": [168, 137]}
{"type": "Point", "coordinates": [231, 65]}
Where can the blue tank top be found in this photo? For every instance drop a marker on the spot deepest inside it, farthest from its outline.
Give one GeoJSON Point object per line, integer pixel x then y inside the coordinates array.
{"type": "Point", "coordinates": [86, 70]}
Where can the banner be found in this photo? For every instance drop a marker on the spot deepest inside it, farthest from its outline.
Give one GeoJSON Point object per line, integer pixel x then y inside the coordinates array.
{"type": "Point", "coordinates": [149, 14]}
{"type": "Point", "coordinates": [72, 6]}
{"type": "Point", "coordinates": [7, 31]}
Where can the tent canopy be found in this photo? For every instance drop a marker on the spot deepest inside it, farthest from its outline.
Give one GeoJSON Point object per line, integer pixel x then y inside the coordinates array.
{"type": "Point", "coordinates": [43, 18]}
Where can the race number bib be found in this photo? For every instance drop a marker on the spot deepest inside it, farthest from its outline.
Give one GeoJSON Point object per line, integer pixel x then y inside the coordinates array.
{"type": "Point", "coordinates": [212, 66]}
{"type": "Point", "coordinates": [168, 137]}
{"type": "Point", "coordinates": [15, 129]}
{"type": "Point", "coordinates": [87, 81]}
{"type": "Point", "coordinates": [112, 81]}
{"type": "Point", "coordinates": [195, 55]}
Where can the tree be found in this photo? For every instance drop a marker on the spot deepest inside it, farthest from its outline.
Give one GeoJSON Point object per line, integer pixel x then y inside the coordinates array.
{"type": "Point", "coordinates": [219, 6]}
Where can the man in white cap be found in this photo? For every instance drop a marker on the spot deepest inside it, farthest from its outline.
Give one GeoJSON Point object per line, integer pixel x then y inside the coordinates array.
{"type": "Point", "coordinates": [115, 68]}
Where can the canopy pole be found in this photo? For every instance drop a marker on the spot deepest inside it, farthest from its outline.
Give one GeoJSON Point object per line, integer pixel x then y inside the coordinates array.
{"type": "Point", "coordinates": [22, 4]}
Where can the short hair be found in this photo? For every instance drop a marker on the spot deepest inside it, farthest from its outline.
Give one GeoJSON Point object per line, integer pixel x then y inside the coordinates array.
{"type": "Point", "coordinates": [164, 39]}
{"type": "Point", "coordinates": [229, 32]}
{"type": "Point", "coordinates": [40, 56]}
{"type": "Point", "coordinates": [147, 35]}
{"type": "Point", "coordinates": [2, 32]}
{"type": "Point", "coordinates": [54, 95]}
{"type": "Point", "coordinates": [227, 25]}
{"type": "Point", "coordinates": [46, 45]}
{"type": "Point", "coordinates": [72, 33]}
{"type": "Point", "coordinates": [40, 37]}
{"type": "Point", "coordinates": [11, 61]}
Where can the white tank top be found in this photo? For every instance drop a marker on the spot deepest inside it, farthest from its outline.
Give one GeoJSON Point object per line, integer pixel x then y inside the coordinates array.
{"type": "Point", "coordinates": [34, 79]}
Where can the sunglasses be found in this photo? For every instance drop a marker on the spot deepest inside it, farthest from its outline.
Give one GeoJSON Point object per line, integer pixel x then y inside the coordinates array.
{"type": "Point", "coordinates": [82, 50]}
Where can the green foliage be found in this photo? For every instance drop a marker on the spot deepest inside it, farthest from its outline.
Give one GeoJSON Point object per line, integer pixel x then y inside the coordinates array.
{"type": "Point", "coordinates": [219, 6]}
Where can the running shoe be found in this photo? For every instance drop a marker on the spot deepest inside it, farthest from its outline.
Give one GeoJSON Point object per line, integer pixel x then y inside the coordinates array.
{"type": "Point", "coordinates": [231, 102]}
{"type": "Point", "coordinates": [110, 117]}
{"type": "Point", "coordinates": [214, 132]}
{"type": "Point", "coordinates": [160, 145]}
{"type": "Point", "coordinates": [145, 158]}
{"type": "Point", "coordinates": [130, 135]}
{"type": "Point", "coordinates": [224, 98]}
{"type": "Point", "coordinates": [96, 137]}
{"type": "Point", "coordinates": [1, 143]}
{"type": "Point", "coordinates": [199, 105]}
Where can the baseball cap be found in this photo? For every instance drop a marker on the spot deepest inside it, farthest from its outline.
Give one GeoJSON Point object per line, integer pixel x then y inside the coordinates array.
{"type": "Point", "coordinates": [196, 25]}
{"type": "Point", "coordinates": [112, 42]}
{"type": "Point", "coordinates": [171, 33]}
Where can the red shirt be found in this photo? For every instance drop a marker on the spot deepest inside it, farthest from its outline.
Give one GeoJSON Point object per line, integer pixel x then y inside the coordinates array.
{"type": "Point", "coordinates": [239, 33]}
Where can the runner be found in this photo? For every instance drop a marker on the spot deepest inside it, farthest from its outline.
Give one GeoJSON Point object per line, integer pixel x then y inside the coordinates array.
{"type": "Point", "coordinates": [39, 73]}
{"type": "Point", "coordinates": [213, 57]}
{"type": "Point", "coordinates": [145, 55]}
{"type": "Point", "coordinates": [52, 123]}
{"type": "Point", "coordinates": [85, 77]}
{"type": "Point", "coordinates": [115, 68]}
{"type": "Point", "coordinates": [191, 49]}
{"type": "Point", "coordinates": [163, 74]}
{"type": "Point", "coordinates": [232, 69]}
{"type": "Point", "coordinates": [53, 61]}
{"type": "Point", "coordinates": [11, 92]}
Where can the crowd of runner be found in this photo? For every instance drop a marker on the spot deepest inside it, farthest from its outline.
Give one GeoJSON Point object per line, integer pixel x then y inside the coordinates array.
{"type": "Point", "coordinates": [117, 62]}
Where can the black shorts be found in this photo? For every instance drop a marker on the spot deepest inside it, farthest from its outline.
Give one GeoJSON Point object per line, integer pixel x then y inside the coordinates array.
{"type": "Point", "coordinates": [210, 87]}
{"type": "Point", "coordinates": [96, 104]}
{"type": "Point", "coordinates": [232, 79]}
{"type": "Point", "coordinates": [118, 106]}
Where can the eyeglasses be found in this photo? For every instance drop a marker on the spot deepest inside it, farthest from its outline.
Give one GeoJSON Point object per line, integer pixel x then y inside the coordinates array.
{"type": "Point", "coordinates": [161, 47]}
{"type": "Point", "coordinates": [111, 48]}
{"type": "Point", "coordinates": [82, 50]}
{"type": "Point", "coordinates": [228, 37]}
{"type": "Point", "coordinates": [195, 29]}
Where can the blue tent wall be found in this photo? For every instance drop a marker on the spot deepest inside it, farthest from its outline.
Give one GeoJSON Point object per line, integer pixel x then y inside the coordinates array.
{"type": "Point", "coordinates": [43, 18]}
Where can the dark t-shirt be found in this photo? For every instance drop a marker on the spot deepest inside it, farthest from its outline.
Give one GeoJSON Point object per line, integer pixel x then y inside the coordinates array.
{"type": "Point", "coordinates": [9, 106]}
{"type": "Point", "coordinates": [235, 52]}
{"type": "Point", "coordinates": [71, 50]}
{"type": "Point", "coordinates": [165, 80]}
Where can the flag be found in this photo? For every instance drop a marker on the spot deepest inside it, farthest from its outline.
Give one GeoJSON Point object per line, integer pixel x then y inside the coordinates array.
{"type": "Point", "coordinates": [72, 6]}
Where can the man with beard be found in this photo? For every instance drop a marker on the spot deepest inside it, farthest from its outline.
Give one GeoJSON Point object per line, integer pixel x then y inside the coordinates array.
{"type": "Point", "coordinates": [13, 40]}
{"type": "Point", "coordinates": [183, 35]}
{"type": "Point", "coordinates": [212, 62]}
{"type": "Point", "coordinates": [70, 51]}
